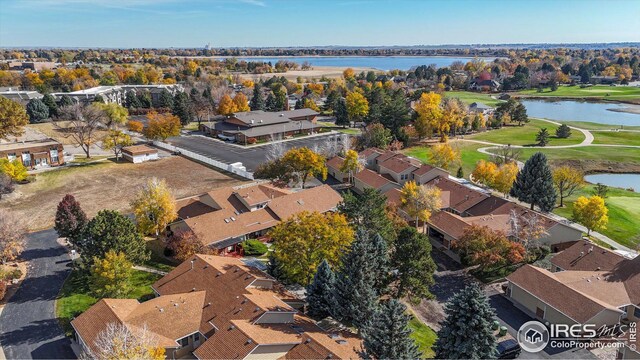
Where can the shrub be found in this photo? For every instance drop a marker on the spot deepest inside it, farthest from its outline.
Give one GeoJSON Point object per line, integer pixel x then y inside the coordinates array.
{"type": "Point", "coordinates": [136, 126]}
{"type": "Point", "coordinates": [3, 289]}
{"type": "Point", "coordinates": [252, 140]}
{"type": "Point", "coordinates": [254, 247]}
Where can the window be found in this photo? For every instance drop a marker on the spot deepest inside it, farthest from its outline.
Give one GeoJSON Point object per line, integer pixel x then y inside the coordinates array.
{"type": "Point", "coordinates": [26, 159]}
{"type": "Point", "coordinates": [636, 312]}
{"type": "Point", "coordinates": [11, 156]}
{"type": "Point", "coordinates": [184, 342]}
{"type": "Point", "coordinates": [54, 156]}
{"type": "Point", "coordinates": [196, 337]}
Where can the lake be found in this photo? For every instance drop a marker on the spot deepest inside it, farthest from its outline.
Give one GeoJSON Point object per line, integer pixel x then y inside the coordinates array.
{"type": "Point", "coordinates": [623, 181]}
{"type": "Point", "coordinates": [378, 62]}
{"type": "Point", "coordinates": [582, 111]}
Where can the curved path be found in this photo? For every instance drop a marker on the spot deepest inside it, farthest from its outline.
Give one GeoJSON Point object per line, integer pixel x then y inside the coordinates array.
{"type": "Point", "coordinates": [28, 325]}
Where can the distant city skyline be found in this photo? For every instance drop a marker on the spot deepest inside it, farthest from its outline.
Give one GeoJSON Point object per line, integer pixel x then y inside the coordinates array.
{"type": "Point", "coordinates": [281, 23]}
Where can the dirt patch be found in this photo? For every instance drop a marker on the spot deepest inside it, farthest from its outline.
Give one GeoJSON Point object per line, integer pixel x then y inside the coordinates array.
{"type": "Point", "coordinates": [430, 312]}
{"type": "Point", "coordinates": [14, 285]}
{"type": "Point", "coordinates": [108, 185]}
{"type": "Point", "coordinates": [598, 166]}
{"type": "Point", "coordinates": [50, 130]}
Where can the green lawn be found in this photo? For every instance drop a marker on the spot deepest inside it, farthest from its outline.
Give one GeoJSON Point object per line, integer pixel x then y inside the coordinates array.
{"type": "Point", "coordinates": [424, 337]}
{"type": "Point", "coordinates": [595, 126]}
{"type": "Point", "coordinates": [526, 135]}
{"type": "Point", "coordinates": [468, 153]}
{"type": "Point", "coordinates": [617, 137]}
{"type": "Point", "coordinates": [624, 212]}
{"type": "Point", "coordinates": [469, 97]}
{"type": "Point", "coordinates": [157, 259]}
{"type": "Point", "coordinates": [616, 154]}
{"type": "Point", "coordinates": [75, 296]}
{"type": "Point", "coordinates": [592, 92]}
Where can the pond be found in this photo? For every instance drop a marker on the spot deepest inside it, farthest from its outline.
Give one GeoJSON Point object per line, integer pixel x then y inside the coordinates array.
{"type": "Point", "coordinates": [624, 181]}
{"type": "Point", "coordinates": [595, 112]}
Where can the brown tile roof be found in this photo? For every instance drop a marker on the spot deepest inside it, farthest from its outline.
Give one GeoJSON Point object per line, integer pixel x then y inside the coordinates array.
{"type": "Point", "coordinates": [254, 195]}
{"type": "Point", "coordinates": [321, 199]}
{"type": "Point", "coordinates": [138, 149]}
{"type": "Point", "coordinates": [423, 169]}
{"type": "Point", "coordinates": [398, 164]}
{"type": "Point", "coordinates": [372, 179]}
{"type": "Point", "coordinates": [451, 224]}
{"type": "Point", "coordinates": [191, 207]}
{"type": "Point", "coordinates": [461, 197]}
{"type": "Point", "coordinates": [587, 256]}
{"type": "Point", "coordinates": [499, 206]}
{"type": "Point", "coordinates": [370, 151]}
{"type": "Point", "coordinates": [335, 162]}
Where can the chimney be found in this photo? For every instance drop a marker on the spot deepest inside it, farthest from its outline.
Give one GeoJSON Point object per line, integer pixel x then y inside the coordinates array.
{"type": "Point", "coordinates": [192, 261]}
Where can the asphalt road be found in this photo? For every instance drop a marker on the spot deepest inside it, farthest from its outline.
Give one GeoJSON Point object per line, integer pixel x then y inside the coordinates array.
{"type": "Point", "coordinates": [28, 325]}
{"type": "Point", "coordinates": [250, 157]}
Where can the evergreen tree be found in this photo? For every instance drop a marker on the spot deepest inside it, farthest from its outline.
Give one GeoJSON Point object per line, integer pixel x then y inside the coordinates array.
{"type": "Point", "coordinates": [320, 291]}
{"type": "Point", "coordinates": [98, 99]}
{"type": "Point", "coordinates": [411, 258]}
{"type": "Point", "coordinates": [466, 332]}
{"type": "Point", "coordinates": [271, 104]}
{"type": "Point", "coordinates": [355, 295]}
{"type": "Point", "coordinates": [37, 111]}
{"type": "Point", "coordinates": [563, 131]}
{"type": "Point", "coordinates": [65, 100]}
{"type": "Point", "coordinates": [368, 212]}
{"type": "Point", "coordinates": [340, 111]}
{"type": "Point", "coordinates": [281, 102]}
{"type": "Point", "coordinates": [395, 112]}
{"type": "Point", "coordinates": [332, 100]}
{"type": "Point", "coordinates": [165, 100]}
{"type": "Point", "coordinates": [460, 173]}
{"type": "Point", "coordinates": [131, 100]}
{"type": "Point", "coordinates": [299, 104]}
{"type": "Point", "coordinates": [388, 337]}
{"type": "Point", "coordinates": [70, 219]}
{"type": "Point", "coordinates": [144, 98]}
{"type": "Point", "coordinates": [542, 137]}
{"type": "Point", "coordinates": [206, 94]}
{"type": "Point", "coordinates": [110, 230]}
{"type": "Point", "coordinates": [519, 114]}
{"type": "Point", "coordinates": [257, 101]}
{"type": "Point", "coordinates": [182, 108]}
{"type": "Point", "coordinates": [534, 183]}
{"type": "Point", "coordinates": [50, 101]}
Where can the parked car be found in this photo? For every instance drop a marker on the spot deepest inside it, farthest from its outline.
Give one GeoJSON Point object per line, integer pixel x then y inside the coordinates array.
{"type": "Point", "coordinates": [508, 349]}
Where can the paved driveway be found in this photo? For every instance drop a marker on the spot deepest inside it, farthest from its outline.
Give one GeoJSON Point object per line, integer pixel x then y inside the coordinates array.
{"type": "Point", "coordinates": [250, 157]}
{"type": "Point", "coordinates": [28, 325]}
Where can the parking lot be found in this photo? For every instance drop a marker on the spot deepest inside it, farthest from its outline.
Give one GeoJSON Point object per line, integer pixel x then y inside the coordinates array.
{"type": "Point", "coordinates": [250, 157]}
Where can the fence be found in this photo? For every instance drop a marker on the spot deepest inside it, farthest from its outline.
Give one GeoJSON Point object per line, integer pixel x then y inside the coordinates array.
{"type": "Point", "coordinates": [203, 159]}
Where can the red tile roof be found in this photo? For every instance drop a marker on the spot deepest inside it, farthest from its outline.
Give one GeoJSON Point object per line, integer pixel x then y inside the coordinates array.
{"type": "Point", "coordinates": [372, 179]}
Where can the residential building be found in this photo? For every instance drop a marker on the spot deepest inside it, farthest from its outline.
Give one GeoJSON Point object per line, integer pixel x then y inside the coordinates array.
{"type": "Point", "coordinates": [251, 126]}
{"type": "Point", "coordinates": [117, 94]}
{"type": "Point", "coordinates": [481, 108]}
{"type": "Point", "coordinates": [333, 168]}
{"type": "Point", "coordinates": [36, 154]}
{"type": "Point", "coordinates": [139, 153]}
{"type": "Point", "coordinates": [31, 65]}
{"type": "Point", "coordinates": [484, 85]}
{"type": "Point", "coordinates": [630, 343]}
{"type": "Point", "coordinates": [214, 307]}
{"type": "Point", "coordinates": [21, 97]}
{"type": "Point", "coordinates": [367, 179]}
{"type": "Point", "coordinates": [224, 217]}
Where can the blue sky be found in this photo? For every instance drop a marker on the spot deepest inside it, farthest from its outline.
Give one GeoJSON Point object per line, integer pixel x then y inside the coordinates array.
{"type": "Point", "coordinates": [226, 23]}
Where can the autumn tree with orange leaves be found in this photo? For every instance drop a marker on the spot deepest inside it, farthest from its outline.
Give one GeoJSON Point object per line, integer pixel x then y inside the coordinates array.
{"type": "Point", "coordinates": [479, 245]}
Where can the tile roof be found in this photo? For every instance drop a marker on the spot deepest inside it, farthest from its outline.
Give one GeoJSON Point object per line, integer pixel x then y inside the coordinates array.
{"type": "Point", "coordinates": [321, 199]}
{"type": "Point", "coordinates": [372, 178]}
{"type": "Point", "coordinates": [335, 162]}
{"type": "Point", "coordinates": [398, 164]}
{"type": "Point", "coordinates": [423, 169]}
{"type": "Point", "coordinates": [499, 206]}
{"type": "Point", "coordinates": [461, 197]}
{"type": "Point", "coordinates": [138, 149]}
{"type": "Point", "coordinates": [587, 256]}
{"type": "Point", "coordinates": [371, 151]}
{"type": "Point", "coordinates": [451, 224]}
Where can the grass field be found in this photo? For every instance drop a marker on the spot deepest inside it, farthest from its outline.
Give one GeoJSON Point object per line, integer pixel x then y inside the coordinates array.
{"type": "Point", "coordinates": [614, 154]}
{"type": "Point", "coordinates": [624, 212]}
{"type": "Point", "coordinates": [468, 153]}
{"type": "Point", "coordinates": [617, 137]}
{"type": "Point", "coordinates": [50, 130]}
{"type": "Point", "coordinates": [469, 97]}
{"type": "Point", "coordinates": [526, 135]}
{"type": "Point", "coordinates": [424, 337]}
{"type": "Point", "coordinates": [595, 126]}
{"type": "Point", "coordinates": [594, 92]}
{"type": "Point", "coordinates": [75, 296]}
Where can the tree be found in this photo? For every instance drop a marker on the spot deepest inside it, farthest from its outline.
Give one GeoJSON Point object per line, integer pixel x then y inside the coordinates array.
{"type": "Point", "coordinates": [376, 135]}
{"type": "Point", "coordinates": [368, 211]}
{"type": "Point", "coordinates": [109, 230]}
{"type": "Point", "coordinates": [257, 100]}
{"type": "Point", "coordinates": [144, 99]}
{"type": "Point", "coordinates": [65, 100]}
{"type": "Point", "coordinates": [411, 258]}
{"type": "Point", "coordinates": [131, 100]}
{"type": "Point", "coordinates": [37, 111]}
{"type": "Point", "coordinates": [534, 183]}
{"type": "Point", "coordinates": [117, 341]}
{"type": "Point", "coordinates": [111, 276]}
{"type": "Point", "coordinates": [542, 137]}
{"type": "Point", "coordinates": [6, 184]}
{"type": "Point", "coordinates": [505, 176]}
{"type": "Point", "coordinates": [240, 102]}
{"type": "Point", "coordinates": [348, 74]}
{"type": "Point", "coordinates": [460, 173]}
{"type": "Point", "coordinates": [83, 123]}
{"type": "Point", "coordinates": [429, 114]}
{"type": "Point", "coordinates": [161, 126]}
{"type": "Point", "coordinates": [420, 202]}
{"type": "Point", "coordinates": [12, 236]}
{"type": "Point", "coordinates": [305, 239]}
{"type": "Point", "coordinates": [389, 336]}
{"type": "Point", "coordinates": [563, 131]}
{"type": "Point", "coordinates": [479, 245]}
{"type": "Point", "coordinates": [444, 155]}
{"type": "Point", "coordinates": [601, 190]}
{"type": "Point", "coordinates": [50, 101]}
{"type": "Point", "coordinates": [320, 291]}
{"type": "Point", "coordinates": [154, 207]}
{"type": "Point", "coordinates": [519, 114]}
{"type": "Point", "coordinates": [485, 172]}
{"type": "Point", "coordinates": [567, 180]}
{"type": "Point", "coordinates": [226, 105]}
{"type": "Point", "coordinates": [135, 126]}
{"type": "Point", "coordinates": [70, 219]}
{"type": "Point", "coordinates": [115, 114]}
{"type": "Point", "coordinates": [591, 212]}
{"type": "Point", "coordinates": [505, 154]}
{"type": "Point", "coordinates": [356, 292]}
{"type": "Point", "coordinates": [165, 100]}
{"type": "Point", "coordinates": [357, 106]}
{"type": "Point", "coordinates": [340, 111]}
{"type": "Point", "coordinates": [13, 118]}
{"type": "Point", "coordinates": [466, 332]}
{"type": "Point", "coordinates": [182, 108]}
{"type": "Point", "coordinates": [527, 228]}
{"type": "Point", "coordinates": [304, 163]}
{"type": "Point", "coordinates": [184, 244]}
{"type": "Point", "coordinates": [116, 140]}
{"type": "Point", "coordinates": [14, 169]}
{"type": "Point", "coordinates": [351, 163]}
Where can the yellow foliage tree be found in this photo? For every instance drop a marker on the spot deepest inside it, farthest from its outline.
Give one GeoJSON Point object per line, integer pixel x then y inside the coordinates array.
{"type": "Point", "coordinates": [161, 126]}
{"type": "Point", "coordinates": [14, 169]}
{"type": "Point", "coordinates": [351, 163]}
{"type": "Point", "coordinates": [111, 276]}
{"type": "Point", "coordinates": [420, 202]}
{"type": "Point", "coordinates": [505, 176]}
{"type": "Point", "coordinates": [13, 118]}
{"type": "Point", "coordinates": [357, 106]}
{"type": "Point", "coordinates": [591, 212]}
{"type": "Point", "coordinates": [116, 140]}
{"type": "Point", "coordinates": [241, 103]}
{"type": "Point", "coordinates": [348, 74]}
{"type": "Point", "coordinates": [305, 239]}
{"type": "Point", "coordinates": [227, 106]}
{"type": "Point", "coordinates": [136, 126]}
{"type": "Point", "coordinates": [567, 180]}
{"type": "Point", "coordinates": [154, 207]}
{"type": "Point", "coordinates": [192, 66]}
{"type": "Point", "coordinates": [485, 172]}
{"type": "Point", "coordinates": [304, 162]}
{"type": "Point", "coordinates": [444, 155]}
{"type": "Point", "coordinates": [310, 104]}
{"type": "Point", "coordinates": [429, 114]}
{"type": "Point", "coordinates": [117, 341]}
